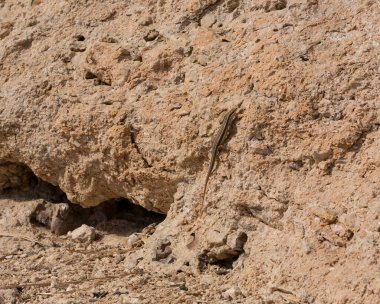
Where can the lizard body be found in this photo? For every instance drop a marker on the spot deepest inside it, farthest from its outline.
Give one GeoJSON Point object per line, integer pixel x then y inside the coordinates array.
{"type": "Point", "coordinates": [217, 142]}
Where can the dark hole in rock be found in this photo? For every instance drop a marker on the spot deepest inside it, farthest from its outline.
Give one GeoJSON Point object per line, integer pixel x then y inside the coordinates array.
{"type": "Point", "coordinates": [18, 180]}
{"type": "Point", "coordinates": [119, 217]}
{"type": "Point", "coordinates": [304, 58]}
{"type": "Point", "coordinates": [151, 35]}
{"type": "Point", "coordinates": [89, 75]}
{"type": "Point", "coordinates": [99, 294]}
{"type": "Point", "coordinates": [208, 259]}
{"type": "Point", "coordinates": [223, 256]}
{"type": "Point", "coordinates": [55, 212]}
{"type": "Point", "coordinates": [47, 191]}
{"type": "Point", "coordinates": [126, 217]}
{"type": "Point", "coordinates": [97, 81]}
{"type": "Point", "coordinates": [80, 37]}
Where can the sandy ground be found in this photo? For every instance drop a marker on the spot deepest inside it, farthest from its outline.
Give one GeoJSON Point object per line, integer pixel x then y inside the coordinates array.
{"type": "Point", "coordinates": [39, 267]}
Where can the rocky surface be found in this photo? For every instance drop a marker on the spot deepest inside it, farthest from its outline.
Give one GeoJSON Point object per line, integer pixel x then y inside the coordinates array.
{"type": "Point", "coordinates": [122, 100]}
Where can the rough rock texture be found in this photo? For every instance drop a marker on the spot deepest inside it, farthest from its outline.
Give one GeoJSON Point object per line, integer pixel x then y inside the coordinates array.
{"type": "Point", "coordinates": [121, 100]}
{"type": "Point", "coordinates": [83, 234]}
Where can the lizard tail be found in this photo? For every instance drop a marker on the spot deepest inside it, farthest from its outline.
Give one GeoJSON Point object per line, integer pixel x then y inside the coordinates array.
{"type": "Point", "coordinates": [204, 196]}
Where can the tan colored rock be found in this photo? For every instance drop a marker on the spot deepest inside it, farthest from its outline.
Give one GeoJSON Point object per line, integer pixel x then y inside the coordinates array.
{"type": "Point", "coordinates": [83, 234]}
{"type": "Point", "coordinates": [103, 106]}
{"type": "Point", "coordinates": [232, 293]}
{"type": "Point", "coordinates": [326, 215]}
{"type": "Point", "coordinates": [208, 20]}
{"type": "Point", "coordinates": [146, 20]}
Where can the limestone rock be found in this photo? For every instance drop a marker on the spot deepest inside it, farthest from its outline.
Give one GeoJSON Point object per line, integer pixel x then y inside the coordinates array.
{"type": "Point", "coordinates": [103, 104]}
{"type": "Point", "coordinates": [83, 234]}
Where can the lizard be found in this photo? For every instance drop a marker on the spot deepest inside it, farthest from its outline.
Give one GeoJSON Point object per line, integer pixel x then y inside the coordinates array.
{"type": "Point", "coordinates": [216, 143]}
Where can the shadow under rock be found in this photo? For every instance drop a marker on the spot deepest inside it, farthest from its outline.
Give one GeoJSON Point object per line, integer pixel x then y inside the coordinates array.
{"type": "Point", "coordinates": [57, 213]}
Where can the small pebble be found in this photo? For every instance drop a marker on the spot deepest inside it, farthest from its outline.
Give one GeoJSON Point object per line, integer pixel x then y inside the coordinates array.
{"type": "Point", "coordinates": [232, 294]}
{"type": "Point", "coordinates": [133, 239]}
{"type": "Point", "coordinates": [83, 234]}
{"type": "Point", "coordinates": [146, 20]}
{"type": "Point", "coordinates": [126, 299]}
{"type": "Point", "coordinates": [151, 35]}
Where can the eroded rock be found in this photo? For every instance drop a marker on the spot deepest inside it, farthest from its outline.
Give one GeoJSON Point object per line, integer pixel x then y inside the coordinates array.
{"type": "Point", "coordinates": [83, 234]}
{"type": "Point", "coordinates": [133, 116]}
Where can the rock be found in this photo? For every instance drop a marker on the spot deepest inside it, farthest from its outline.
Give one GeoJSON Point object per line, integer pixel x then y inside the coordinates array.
{"type": "Point", "coordinates": [295, 165]}
{"type": "Point", "coordinates": [319, 156]}
{"type": "Point", "coordinates": [208, 20]}
{"type": "Point", "coordinates": [60, 218]}
{"type": "Point", "coordinates": [53, 282]}
{"type": "Point", "coordinates": [127, 299]}
{"type": "Point", "coordinates": [151, 35]}
{"type": "Point", "coordinates": [163, 252]}
{"type": "Point", "coordinates": [146, 20]}
{"type": "Point", "coordinates": [133, 240]}
{"type": "Point", "coordinates": [343, 232]}
{"type": "Point", "coordinates": [231, 5]}
{"type": "Point", "coordinates": [77, 46]}
{"type": "Point", "coordinates": [326, 215]}
{"type": "Point", "coordinates": [119, 258]}
{"type": "Point", "coordinates": [150, 229]}
{"type": "Point", "coordinates": [134, 117]}
{"type": "Point", "coordinates": [99, 294]}
{"type": "Point", "coordinates": [83, 234]}
{"type": "Point", "coordinates": [237, 240]}
{"type": "Point", "coordinates": [232, 293]}
{"type": "Point", "coordinates": [273, 5]}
